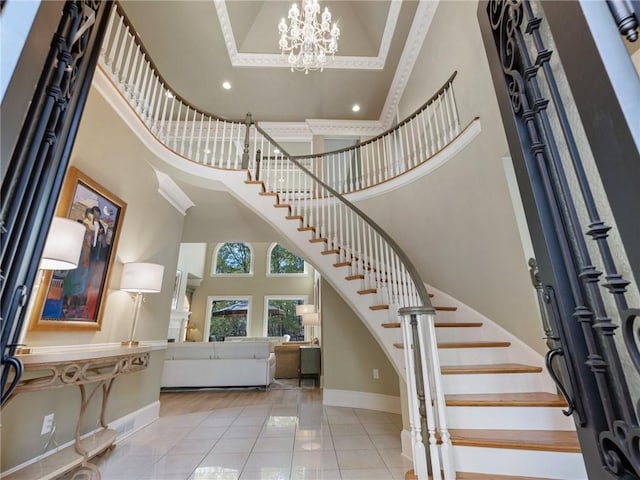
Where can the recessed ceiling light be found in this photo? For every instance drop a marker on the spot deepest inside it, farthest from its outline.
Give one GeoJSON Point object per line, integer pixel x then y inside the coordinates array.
{"type": "Point", "coordinates": [207, 151]}
{"type": "Point", "coordinates": [276, 151]}
{"type": "Point", "coordinates": [355, 108]}
{"type": "Point", "coordinates": [226, 85]}
{"type": "Point", "coordinates": [168, 94]}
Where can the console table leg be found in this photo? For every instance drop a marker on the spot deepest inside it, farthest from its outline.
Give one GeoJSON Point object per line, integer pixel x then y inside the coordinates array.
{"type": "Point", "coordinates": [106, 390]}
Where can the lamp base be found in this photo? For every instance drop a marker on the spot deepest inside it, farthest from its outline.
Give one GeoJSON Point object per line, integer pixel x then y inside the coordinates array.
{"type": "Point", "coordinates": [23, 350]}
{"type": "Point", "coordinates": [130, 343]}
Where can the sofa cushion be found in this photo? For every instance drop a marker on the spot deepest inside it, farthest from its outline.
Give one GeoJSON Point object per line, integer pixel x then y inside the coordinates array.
{"type": "Point", "coordinates": [240, 349]}
{"type": "Point", "coordinates": [189, 351]}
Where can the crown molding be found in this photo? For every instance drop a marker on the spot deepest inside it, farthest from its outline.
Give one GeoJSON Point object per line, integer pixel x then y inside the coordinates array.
{"type": "Point", "coordinates": [173, 193]}
{"type": "Point", "coordinates": [305, 131]}
{"type": "Point", "coordinates": [277, 60]}
{"type": "Point", "coordinates": [345, 128]}
{"type": "Point", "coordinates": [422, 21]}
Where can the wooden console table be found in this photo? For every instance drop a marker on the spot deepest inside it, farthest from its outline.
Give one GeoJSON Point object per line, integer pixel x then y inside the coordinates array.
{"type": "Point", "coordinates": [81, 367]}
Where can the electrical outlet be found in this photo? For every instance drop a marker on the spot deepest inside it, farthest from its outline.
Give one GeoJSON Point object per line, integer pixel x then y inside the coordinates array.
{"type": "Point", "coordinates": [47, 424]}
{"type": "Point", "coordinates": [376, 374]}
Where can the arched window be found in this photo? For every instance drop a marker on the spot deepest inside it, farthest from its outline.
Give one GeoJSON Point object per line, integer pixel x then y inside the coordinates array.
{"type": "Point", "coordinates": [233, 259]}
{"type": "Point", "coordinates": [282, 262]}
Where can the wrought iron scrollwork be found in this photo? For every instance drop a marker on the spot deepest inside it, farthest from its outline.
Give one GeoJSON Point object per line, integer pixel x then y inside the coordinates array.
{"type": "Point", "coordinates": [532, 88]}
{"type": "Point", "coordinates": [35, 171]}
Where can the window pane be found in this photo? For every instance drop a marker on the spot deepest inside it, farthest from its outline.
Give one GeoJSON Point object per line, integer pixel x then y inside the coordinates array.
{"type": "Point", "coordinates": [283, 261]}
{"type": "Point", "coordinates": [282, 319]}
{"type": "Point", "coordinates": [233, 258]}
{"type": "Point", "coordinates": [228, 319]}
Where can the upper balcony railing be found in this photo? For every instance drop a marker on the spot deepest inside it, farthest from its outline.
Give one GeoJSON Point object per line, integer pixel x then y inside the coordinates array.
{"type": "Point", "coordinates": [312, 188]}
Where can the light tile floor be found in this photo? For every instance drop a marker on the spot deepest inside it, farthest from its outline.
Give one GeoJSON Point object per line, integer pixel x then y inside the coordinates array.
{"type": "Point", "coordinates": [262, 442]}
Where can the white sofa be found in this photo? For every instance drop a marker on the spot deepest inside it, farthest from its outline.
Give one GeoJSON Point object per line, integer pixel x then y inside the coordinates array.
{"type": "Point", "coordinates": [218, 364]}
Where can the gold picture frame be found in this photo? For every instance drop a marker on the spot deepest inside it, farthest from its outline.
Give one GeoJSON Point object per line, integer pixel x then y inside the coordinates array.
{"type": "Point", "coordinates": [74, 299]}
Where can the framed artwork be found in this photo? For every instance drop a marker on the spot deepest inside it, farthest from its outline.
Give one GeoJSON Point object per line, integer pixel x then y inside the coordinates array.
{"type": "Point", "coordinates": [176, 290]}
{"type": "Point", "coordinates": [74, 299]}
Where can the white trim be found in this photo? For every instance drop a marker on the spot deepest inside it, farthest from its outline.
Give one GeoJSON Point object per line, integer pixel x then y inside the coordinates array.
{"type": "Point", "coordinates": [421, 23]}
{"type": "Point", "coordinates": [128, 425]}
{"type": "Point", "coordinates": [214, 262]}
{"type": "Point", "coordinates": [265, 316]}
{"type": "Point", "coordinates": [207, 312]}
{"type": "Point", "coordinates": [367, 400]}
{"type": "Point", "coordinates": [277, 60]}
{"type": "Point", "coordinates": [304, 273]}
{"type": "Point", "coordinates": [172, 193]}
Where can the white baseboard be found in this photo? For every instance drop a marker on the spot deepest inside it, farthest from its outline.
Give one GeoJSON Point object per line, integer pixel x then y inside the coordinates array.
{"type": "Point", "coordinates": [124, 426]}
{"type": "Point", "coordinates": [134, 421]}
{"type": "Point", "coordinates": [366, 400]}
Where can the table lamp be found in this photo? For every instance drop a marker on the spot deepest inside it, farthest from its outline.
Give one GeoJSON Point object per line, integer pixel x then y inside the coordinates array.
{"type": "Point", "coordinates": [63, 245]}
{"type": "Point", "coordinates": [140, 278]}
{"type": "Point", "coordinates": [305, 309]}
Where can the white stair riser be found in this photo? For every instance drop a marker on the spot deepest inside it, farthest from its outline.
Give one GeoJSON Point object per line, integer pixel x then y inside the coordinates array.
{"type": "Point", "coordinates": [529, 463]}
{"type": "Point", "coordinates": [469, 356]}
{"type": "Point", "coordinates": [509, 418]}
{"type": "Point", "coordinates": [495, 382]}
{"type": "Point", "coordinates": [462, 334]}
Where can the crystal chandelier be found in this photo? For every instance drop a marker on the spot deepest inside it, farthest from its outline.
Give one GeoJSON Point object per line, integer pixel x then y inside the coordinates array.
{"type": "Point", "coordinates": [308, 41]}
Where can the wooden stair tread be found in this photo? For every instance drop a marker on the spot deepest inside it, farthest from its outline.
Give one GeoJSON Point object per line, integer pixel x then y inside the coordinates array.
{"type": "Point", "coordinates": [457, 324]}
{"type": "Point", "coordinates": [489, 368]}
{"type": "Point", "coordinates": [367, 291]}
{"type": "Point", "coordinates": [306, 229]}
{"type": "Point", "coordinates": [334, 251]}
{"type": "Point", "coordinates": [379, 307]}
{"type": "Point", "coordinates": [478, 344]}
{"type": "Point", "coordinates": [528, 399]}
{"type": "Point", "coordinates": [485, 344]}
{"type": "Point", "coordinates": [358, 276]}
{"type": "Point", "coordinates": [294, 217]}
{"type": "Point", "coordinates": [439, 324]}
{"type": "Point", "coordinates": [282, 205]}
{"type": "Point", "coordinates": [437, 309]}
{"type": "Point", "coordinates": [542, 440]}
{"type": "Point", "coordinates": [319, 240]}
{"type": "Point", "coordinates": [342, 264]}
{"type": "Point", "coordinates": [268, 194]}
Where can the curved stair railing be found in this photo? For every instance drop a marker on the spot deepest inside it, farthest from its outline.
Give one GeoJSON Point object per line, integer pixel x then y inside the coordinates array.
{"type": "Point", "coordinates": [301, 189]}
{"type": "Point", "coordinates": [403, 147]}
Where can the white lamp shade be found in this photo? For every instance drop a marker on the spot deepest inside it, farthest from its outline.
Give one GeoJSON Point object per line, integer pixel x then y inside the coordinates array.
{"type": "Point", "coordinates": [311, 319]}
{"type": "Point", "coordinates": [142, 277]}
{"type": "Point", "coordinates": [305, 309]}
{"type": "Point", "coordinates": [63, 245]}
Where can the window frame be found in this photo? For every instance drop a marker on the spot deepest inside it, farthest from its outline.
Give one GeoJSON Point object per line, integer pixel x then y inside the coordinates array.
{"type": "Point", "coordinates": [213, 298]}
{"type": "Point", "coordinates": [265, 316]}
{"type": "Point", "coordinates": [304, 273]}
{"type": "Point", "coordinates": [214, 261]}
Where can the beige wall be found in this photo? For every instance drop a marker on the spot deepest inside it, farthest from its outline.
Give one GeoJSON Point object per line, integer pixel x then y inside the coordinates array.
{"type": "Point", "coordinates": [457, 224]}
{"type": "Point", "coordinates": [117, 161]}
{"type": "Point", "coordinates": [349, 351]}
{"type": "Point", "coordinates": [256, 286]}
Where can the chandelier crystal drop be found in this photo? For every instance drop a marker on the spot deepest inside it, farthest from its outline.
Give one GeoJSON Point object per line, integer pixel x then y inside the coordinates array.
{"type": "Point", "coordinates": [309, 42]}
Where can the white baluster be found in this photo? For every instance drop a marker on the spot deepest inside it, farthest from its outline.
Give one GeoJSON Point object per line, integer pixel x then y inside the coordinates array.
{"type": "Point", "coordinates": [215, 145]}
{"type": "Point", "coordinates": [107, 35]}
{"type": "Point", "coordinates": [142, 98]}
{"type": "Point", "coordinates": [223, 143]}
{"type": "Point", "coordinates": [454, 109]}
{"type": "Point", "coordinates": [184, 129]}
{"type": "Point", "coordinates": [177, 122]}
{"type": "Point", "coordinates": [155, 104]}
{"type": "Point", "coordinates": [119, 46]}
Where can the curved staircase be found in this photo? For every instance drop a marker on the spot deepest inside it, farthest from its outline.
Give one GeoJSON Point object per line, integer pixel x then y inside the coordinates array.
{"type": "Point", "coordinates": [504, 418]}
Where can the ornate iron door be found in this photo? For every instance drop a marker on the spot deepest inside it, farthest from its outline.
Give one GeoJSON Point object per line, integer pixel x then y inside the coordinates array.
{"type": "Point", "coordinates": [592, 331]}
